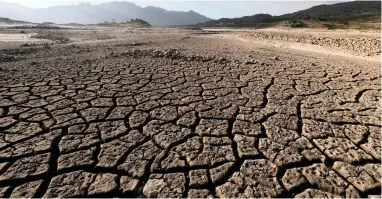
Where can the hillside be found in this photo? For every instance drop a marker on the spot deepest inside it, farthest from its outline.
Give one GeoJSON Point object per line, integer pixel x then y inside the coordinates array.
{"type": "Point", "coordinates": [355, 14]}
{"type": "Point", "coordinates": [11, 21]}
{"type": "Point", "coordinates": [243, 21]}
{"type": "Point", "coordinates": [347, 9]}
{"type": "Point", "coordinates": [86, 13]}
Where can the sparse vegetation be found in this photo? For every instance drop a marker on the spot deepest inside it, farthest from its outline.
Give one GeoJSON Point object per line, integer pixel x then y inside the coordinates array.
{"type": "Point", "coordinates": [132, 22]}
{"type": "Point", "coordinates": [140, 22]}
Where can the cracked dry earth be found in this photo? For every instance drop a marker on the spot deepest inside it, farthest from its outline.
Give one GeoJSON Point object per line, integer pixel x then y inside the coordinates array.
{"type": "Point", "coordinates": [110, 119]}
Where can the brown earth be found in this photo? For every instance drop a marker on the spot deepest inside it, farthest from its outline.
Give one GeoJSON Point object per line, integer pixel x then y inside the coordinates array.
{"type": "Point", "coordinates": [170, 112]}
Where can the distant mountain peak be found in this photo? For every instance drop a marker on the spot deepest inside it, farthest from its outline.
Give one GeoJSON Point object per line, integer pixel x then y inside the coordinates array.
{"type": "Point", "coordinates": [85, 4]}
{"type": "Point", "coordinates": [87, 13]}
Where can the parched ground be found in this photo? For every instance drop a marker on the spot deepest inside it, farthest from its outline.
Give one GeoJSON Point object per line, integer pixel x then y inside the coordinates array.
{"type": "Point", "coordinates": [185, 113]}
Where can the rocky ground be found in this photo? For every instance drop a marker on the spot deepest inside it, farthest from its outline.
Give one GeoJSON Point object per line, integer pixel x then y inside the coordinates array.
{"type": "Point", "coordinates": [185, 113]}
{"type": "Point", "coordinates": [354, 42]}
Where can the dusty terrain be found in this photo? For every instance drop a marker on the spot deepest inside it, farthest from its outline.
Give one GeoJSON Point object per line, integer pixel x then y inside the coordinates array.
{"type": "Point", "coordinates": [171, 112]}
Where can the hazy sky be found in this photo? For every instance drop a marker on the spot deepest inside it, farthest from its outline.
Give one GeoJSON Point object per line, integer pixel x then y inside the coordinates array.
{"type": "Point", "coordinates": [212, 9]}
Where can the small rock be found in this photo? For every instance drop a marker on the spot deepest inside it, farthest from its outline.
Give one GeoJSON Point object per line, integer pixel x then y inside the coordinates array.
{"type": "Point", "coordinates": [206, 59]}
{"type": "Point", "coordinates": [46, 46]}
{"type": "Point", "coordinates": [313, 64]}
{"type": "Point", "coordinates": [276, 58]}
{"type": "Point", "coordinates": [221, 60]}
{"type": "Point", "coordinates": [249, 62]}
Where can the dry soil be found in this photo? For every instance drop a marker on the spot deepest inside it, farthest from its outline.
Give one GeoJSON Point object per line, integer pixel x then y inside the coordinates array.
{"type": "Point", "coordinates": [174, 112]}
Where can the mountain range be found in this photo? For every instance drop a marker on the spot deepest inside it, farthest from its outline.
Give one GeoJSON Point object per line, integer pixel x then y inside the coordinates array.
{"type": "Point", "coordinates": [350, 11]}
{"type": "Point", "coordinates": [86, 13]}
{"type": "Point", "coordinates": [345, 9]}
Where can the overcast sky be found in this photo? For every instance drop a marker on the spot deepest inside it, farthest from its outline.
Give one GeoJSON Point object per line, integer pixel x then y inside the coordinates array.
{"type": "Point", "coordinates": [212, 9]}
